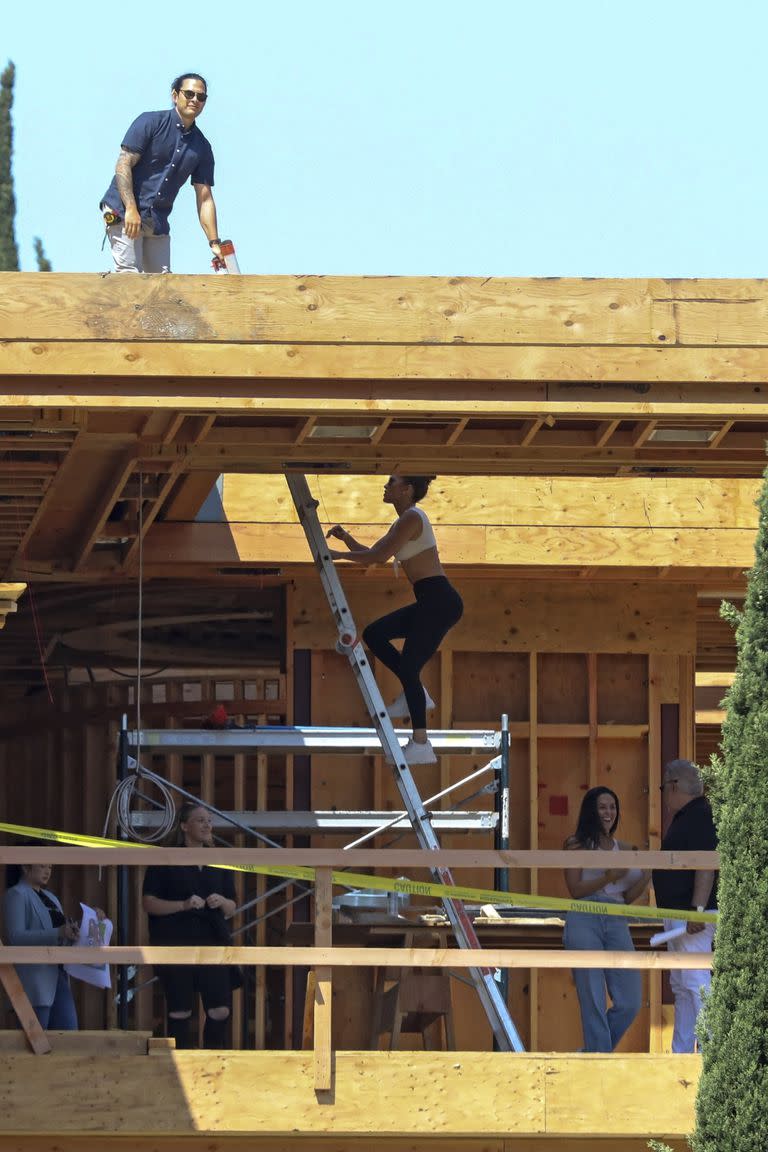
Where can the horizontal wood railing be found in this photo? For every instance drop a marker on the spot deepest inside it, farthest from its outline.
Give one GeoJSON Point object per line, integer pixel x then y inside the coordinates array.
{"type": "Point", "coordinates": [354, 858]}
{"type": "Point", "coordinates": [324, 956]}
{"type": "Point", "coordinates": [345, 957]}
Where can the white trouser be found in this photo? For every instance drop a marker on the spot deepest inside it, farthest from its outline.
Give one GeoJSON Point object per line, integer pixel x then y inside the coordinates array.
{"type": "Point", "coordinates": [688, 984]}
{"type": "Point", "coordinates": [147, 253]}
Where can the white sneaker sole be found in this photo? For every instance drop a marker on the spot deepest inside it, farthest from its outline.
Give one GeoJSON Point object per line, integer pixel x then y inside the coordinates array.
{"type": "Point", "coordinates": [415, 754]}
{"type": "Point", "coordinates": [419, 753]}
{"type": "Point", "coordinates": [398, 709]}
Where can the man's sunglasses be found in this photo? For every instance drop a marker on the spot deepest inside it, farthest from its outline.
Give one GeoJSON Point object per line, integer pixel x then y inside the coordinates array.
{"type": "Point", "coordinates": [190, 94]}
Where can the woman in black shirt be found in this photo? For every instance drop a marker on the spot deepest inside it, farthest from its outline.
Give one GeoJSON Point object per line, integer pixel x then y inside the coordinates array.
{"type": "Point", "coordinates": [191, 904]}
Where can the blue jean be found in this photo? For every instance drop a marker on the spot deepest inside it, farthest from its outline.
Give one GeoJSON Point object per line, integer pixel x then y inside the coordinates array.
{"type": "Point", "coordinates": [603, 1027]}
{"type": "Point", "coordinates": [62, 1014]}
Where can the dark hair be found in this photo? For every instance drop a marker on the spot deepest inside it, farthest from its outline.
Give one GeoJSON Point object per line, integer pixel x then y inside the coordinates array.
{"type": "Point", "coordinates": [183, 814]}
{"type": "Point", "coordinates": [588, 828]}
{"type": "Point", "coordinates": [15, 872]}
{"type": "Point", "coordinates": [177, 83]}
{"type": "Point", "coordinates": [420, 485]}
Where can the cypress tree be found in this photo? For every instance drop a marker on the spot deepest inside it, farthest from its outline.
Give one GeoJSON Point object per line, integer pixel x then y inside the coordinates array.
{"type": "Point", "coordinates": [43, 263]}
{"type": "Point", "coordinates": [9, 253]}
{"type": "Point", "coordinates": [732, 1102]}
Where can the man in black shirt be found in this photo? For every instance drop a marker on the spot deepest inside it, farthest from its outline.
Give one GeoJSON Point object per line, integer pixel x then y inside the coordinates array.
{"type": "Point", "coordinates": [690, 828]}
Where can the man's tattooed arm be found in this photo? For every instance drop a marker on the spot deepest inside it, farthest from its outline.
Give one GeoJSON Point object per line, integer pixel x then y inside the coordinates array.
{"type": "Point", "coordinates": [126, 162]}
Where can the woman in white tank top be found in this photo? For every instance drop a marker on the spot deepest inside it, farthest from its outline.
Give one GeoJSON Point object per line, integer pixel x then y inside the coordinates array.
{"type": "Point", "coordinates": [602, 1026]}
{"type": "Point", "coordinates": [421, 626]}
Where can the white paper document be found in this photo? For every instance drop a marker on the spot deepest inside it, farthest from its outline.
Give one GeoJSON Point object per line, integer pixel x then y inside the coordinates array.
{"type": "Point", "coordinates": [94, 933]}
{"type": "Point", "coordinates": [677, 928]}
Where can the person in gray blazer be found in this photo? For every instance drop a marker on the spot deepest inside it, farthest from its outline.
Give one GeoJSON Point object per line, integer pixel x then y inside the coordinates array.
{"type": "Point", "coordinates": [34, 916]}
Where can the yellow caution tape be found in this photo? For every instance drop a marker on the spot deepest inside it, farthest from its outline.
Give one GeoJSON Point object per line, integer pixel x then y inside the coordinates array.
{"type": "Point", "coordinates": [387, 883]}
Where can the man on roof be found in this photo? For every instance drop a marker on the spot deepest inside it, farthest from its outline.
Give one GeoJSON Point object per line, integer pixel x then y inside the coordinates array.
{"type": "Point", "coordinates": [159, 153]}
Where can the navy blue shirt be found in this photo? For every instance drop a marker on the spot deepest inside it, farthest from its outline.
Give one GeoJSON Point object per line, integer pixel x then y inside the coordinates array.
{"type": "Point", "coordinates": [692, 829]}
{"type": "Point", "coordinates": [170, 155]}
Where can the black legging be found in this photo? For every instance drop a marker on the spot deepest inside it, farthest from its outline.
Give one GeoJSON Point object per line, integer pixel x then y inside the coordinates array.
{"type": "Point", "coordinates": [422, 625]}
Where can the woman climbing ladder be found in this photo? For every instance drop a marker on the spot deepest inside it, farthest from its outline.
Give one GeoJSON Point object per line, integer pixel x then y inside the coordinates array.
{"type": "Point", "coordinates": [422, 625]}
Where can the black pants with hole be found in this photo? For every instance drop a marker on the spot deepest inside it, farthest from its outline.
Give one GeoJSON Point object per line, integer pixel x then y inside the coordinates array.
{"type": "Point", "coordinates": [182, 984]}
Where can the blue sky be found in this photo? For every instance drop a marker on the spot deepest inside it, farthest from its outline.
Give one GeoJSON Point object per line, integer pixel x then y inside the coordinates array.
{"type": "Point", "coordinates": [413, 137]}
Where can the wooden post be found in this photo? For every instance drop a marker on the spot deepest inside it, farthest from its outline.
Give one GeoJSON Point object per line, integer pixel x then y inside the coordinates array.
{"type": "Point", "coordinates": [239, 799]}
{"type": "Point", "coordinates": [323, 986]}
{"type": "Point", "coordinates": [656, 695]}
{"type": "Point", "coordinates": [593, 715]}
{"type": "Point", "coordinates": [533, 819]}
{"type": "Point", "coordinates": [309, 1008]}
{"type": "Point", "coordinates": [687, 738]}
{"type": "Point", "coordinates": [25, 1013]}
{"type": "Point", "coordinates": [260, 991]}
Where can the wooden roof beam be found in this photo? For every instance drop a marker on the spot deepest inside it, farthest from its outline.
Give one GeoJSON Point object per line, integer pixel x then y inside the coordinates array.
{"type": "Point", "coordinates": [10, 594]}
{"type": "Point", "coordinates": [189, 494]}
{"type": "Point", "coordinates": [637, 502]}
{"type": "Point", "coordinates": [140, 370]}
{"type": "Point", "coordinates": [455, 433]}
{"type": "Point", "coordinates": [304, 428]}
{"type": "Point", "coordinates": [27, 468]}
{"type": "Point", "coordinates": [480, 457]}
{"type": "Point", "coordinates": [642, 432]}
{"type": "Point", "coordinates": [356, 309]}
{"type": "Point", "coordinates": [410, 398]}
{"type": "Point", "coordinates": [56, 420]}
{"type": "Point", "coordinates": [531, 428]}
{"type": "Point", "coordinates": [149, 514]}
{"type": "Point", "coordinates": [381, 431]}
{"type": "Point", "coordinates": [102, 508]}
{"type": "Point", "coordinates": [545, 546]}
{"type": "Point", "coordinates": [721, 434]}
{"type": "Point", "coordinates": [605, 431]}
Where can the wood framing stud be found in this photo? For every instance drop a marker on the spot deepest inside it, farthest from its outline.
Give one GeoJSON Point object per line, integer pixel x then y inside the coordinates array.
{"type": "Point", "coordinates": [323, 983]}
{"type": "Point", "coordinates": [455, 433]}
{"type": "Point", "coordinates": [530, 428]}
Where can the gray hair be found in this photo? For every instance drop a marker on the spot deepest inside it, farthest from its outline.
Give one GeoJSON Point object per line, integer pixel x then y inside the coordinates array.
{"type": "Point", "coordinates": [687, 776]}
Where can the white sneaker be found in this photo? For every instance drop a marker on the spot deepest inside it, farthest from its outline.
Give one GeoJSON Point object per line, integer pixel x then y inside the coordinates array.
{"type": "Point", "coordinates": [398, 709]}
{"type": "Point", "coordinates": [419, 753]}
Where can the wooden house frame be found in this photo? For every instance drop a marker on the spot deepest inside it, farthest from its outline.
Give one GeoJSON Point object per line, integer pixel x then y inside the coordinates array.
{"type": "Point", "coordinates": [598, 446]}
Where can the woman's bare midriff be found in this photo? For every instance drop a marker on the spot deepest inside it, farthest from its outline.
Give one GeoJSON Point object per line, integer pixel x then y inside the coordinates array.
{"type": "Point", "coordinates": [423, 565]}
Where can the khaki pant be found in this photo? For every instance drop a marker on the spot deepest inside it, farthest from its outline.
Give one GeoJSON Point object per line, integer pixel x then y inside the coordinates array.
{"type": "Point", "coordinates": [147, 253]}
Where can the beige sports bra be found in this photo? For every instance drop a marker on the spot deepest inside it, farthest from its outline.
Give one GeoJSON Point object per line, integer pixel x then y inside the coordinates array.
{"type": "Point", "coordinates": [421, 543]}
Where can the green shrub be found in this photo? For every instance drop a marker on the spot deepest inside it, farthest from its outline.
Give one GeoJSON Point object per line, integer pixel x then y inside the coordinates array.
{"type": "Point", "coordinates": [732, 1101]}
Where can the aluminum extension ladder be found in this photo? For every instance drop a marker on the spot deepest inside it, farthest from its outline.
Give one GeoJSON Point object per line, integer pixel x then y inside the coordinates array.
{"type": "Point", "coordinates": [504, 1031]}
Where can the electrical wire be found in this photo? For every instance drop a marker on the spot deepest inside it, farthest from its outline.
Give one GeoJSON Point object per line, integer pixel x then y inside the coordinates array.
{"type": "Point", "coordinates": [124, 799]}
{"type": "Point", "coordinates": [126, 792]}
